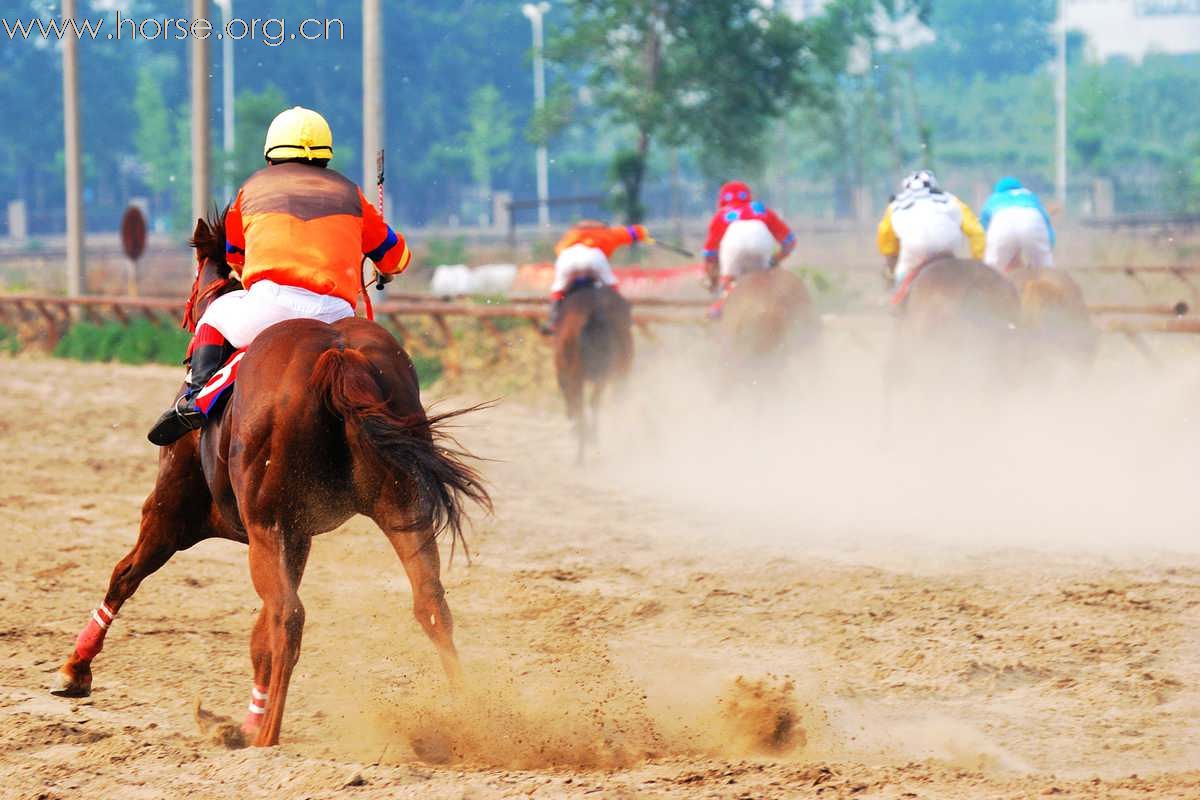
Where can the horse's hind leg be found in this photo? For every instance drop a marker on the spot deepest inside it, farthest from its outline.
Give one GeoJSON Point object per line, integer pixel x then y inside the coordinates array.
{"type": "Point", "coordinates": [159, 537]}
{"type": "Point", "coordinates": [593, 426]}
{"type": "Point", "coordinates": [260, 659]}
{"type": "Point", "coordinates": [277, 562]}
{"type": "Point", "coordinates": [419, 554]}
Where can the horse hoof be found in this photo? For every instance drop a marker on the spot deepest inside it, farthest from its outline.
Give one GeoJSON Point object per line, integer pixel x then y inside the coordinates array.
{"type": "Point", "coordinates": [66, 684]}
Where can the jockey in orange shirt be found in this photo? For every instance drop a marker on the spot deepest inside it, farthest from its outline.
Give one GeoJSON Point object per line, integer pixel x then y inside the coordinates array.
{"type": "Point", "coordinates": [296, 236]}
{"type": "Point", "coordinates": [582, 255]}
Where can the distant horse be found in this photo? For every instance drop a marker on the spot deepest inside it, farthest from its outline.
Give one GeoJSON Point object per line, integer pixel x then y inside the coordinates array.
{"type": "Point", "coordinates": [1055, 316]}
{"type": "Point", "coordinates": [768, 315]}
{"type": "Point", "coordinates": [957, 325]}
{"type": "Point", "coordinates": [593, 344]}
{"type": "Point", "coordinates": [324, 422]}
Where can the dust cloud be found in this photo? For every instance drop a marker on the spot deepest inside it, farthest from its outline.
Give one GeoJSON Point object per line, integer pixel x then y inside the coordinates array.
{"type": "Point", "coordinates": [1097, 459]}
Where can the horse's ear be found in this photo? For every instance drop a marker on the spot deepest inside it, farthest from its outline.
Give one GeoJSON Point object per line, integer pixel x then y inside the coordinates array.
{"type": "Point", "coordinates": [200, 229]}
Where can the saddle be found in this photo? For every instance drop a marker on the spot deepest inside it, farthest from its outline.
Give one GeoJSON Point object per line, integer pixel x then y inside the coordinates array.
{"type": "Point", "coordinates": [209, 398]}
{"type": "Point", "coordinates": [582, 281]}
{"type": "Point", "coordinates": [901, 293]}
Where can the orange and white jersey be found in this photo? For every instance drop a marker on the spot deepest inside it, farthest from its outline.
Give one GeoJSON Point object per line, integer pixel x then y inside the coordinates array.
{"type": "Point", "coordinates": [309, 227]}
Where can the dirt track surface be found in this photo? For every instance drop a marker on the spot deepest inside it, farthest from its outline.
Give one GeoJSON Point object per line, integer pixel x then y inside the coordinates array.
{"type": "Point", "coordinates": [612, 649]}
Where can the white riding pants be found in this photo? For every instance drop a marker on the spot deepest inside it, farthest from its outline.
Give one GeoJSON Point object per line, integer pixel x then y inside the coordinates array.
{"type": "Point", "coordinates": [242, 315]}
{"type": "Point", "coordinates": [1018, 235]}
{"type": "Point", "coordinates": [579, 261]}
{"type": "Point", "coordinates": [747, 246]}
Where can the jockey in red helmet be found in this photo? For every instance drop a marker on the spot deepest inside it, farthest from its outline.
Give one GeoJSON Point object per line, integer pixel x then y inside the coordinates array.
{"type": "Point", "coordinates": [743, 236]}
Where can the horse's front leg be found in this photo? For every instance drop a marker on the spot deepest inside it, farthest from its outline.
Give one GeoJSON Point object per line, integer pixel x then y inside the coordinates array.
{"type": "Point", "coordinates": [177, 514]}
{"type": "Point", "coordinates": [158, 540]}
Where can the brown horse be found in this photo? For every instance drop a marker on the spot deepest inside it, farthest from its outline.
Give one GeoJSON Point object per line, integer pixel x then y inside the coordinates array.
{"type": "Point", "coordinates": [1055, 315]}
{"type": "Point", "coordinates": [768, 315]}
{"type": "Point", "coordinates": [324, 422]}
{"type": "Point", "coordinates": [958, 326]}
{"type": "Point", "coordinates": [593, 344]}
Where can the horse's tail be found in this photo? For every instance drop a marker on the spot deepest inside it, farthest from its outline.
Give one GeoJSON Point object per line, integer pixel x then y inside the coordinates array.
{"type": "Point", "coordinates": [605, 340]}
{"type": "Point", "coordinates": [415, 445]}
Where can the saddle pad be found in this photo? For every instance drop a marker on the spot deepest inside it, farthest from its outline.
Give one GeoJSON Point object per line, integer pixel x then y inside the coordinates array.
{"type": "Point", "coordinates": [219, 383]}
{"type": "Point", "coordinates": [901, 293]}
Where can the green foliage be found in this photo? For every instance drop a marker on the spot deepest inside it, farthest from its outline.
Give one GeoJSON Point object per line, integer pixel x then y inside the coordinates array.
{"type": "Point", "coordinates": [140, 342]}
{"type": "Point", "coordinates": [628, 172]}
{"type": "Point", "coordinates": [488, 139]}
{"type": "Point", "coordinates": [679, 71]}
{"type": "Point", "coordinates": [9, 342]}
{"type": "Point", "coordinates": [831, 292]}
{"type": "Point", "coordinates": [163, 143]}
{"type": "Point", "coordinates": [547, 123]}
{"type": "Point", "coordinates": [1184, 182]}
{"type": "Point", "coordinates": [253, 112]}
{"type": "Point", "coordinates": [429, 369]}
{"type": "Point", "coordinates": [991, 39]}
{"type": "Point", "coordinates": [447, 251]}
{"type": "Point", "coordinates": [154, 137]}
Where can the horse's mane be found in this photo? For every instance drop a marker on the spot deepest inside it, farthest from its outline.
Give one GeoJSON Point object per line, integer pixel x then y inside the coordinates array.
{"type": "Point", "coordinates": [208, 240]}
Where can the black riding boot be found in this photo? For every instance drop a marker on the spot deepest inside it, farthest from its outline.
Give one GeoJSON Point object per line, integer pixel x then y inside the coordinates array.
{"type": "Point", "coordinates": [185, 416]}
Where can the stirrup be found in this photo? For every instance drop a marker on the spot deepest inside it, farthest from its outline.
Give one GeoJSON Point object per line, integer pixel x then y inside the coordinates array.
{"type": "Point", "coordinates": [176, 422]}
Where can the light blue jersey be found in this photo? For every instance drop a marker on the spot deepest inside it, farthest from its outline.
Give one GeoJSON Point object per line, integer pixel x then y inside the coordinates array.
{"type": "Point", "coordinates": [1009, 193]}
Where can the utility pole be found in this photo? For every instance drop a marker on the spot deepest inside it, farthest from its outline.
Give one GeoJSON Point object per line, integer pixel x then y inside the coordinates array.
{"type": "Point", "coordinates": [74, 175]}
{"type": "Point", "coordinates": [1060, 102]}
{"type": "Point", "coordinates": [534, 12]}
{"type": "Point", "coordinates": [227, 99]}
{"type": "Point", "coordinates": [201, 143]}
{"type": "Point", "coordinates": [373, 109]}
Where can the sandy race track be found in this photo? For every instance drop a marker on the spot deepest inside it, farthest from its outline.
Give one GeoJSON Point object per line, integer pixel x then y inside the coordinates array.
{"type": "Point", "coordinates": [710, 609]}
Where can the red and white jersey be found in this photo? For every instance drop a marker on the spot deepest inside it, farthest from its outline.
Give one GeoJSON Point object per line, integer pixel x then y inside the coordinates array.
{"type": "Point", "coordinates": [735, 203]}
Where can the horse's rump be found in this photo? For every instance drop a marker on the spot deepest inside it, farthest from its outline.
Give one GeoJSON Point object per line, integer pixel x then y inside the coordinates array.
{"type": "Point", "coordinates": [350, 394]}
{"type": "Point", "coordinates": [766, 310]}
{"type": "Point", "coordinates": [960, 318]}
{"type": "Point", "coordinates": [962, 294]}
{"type": "Point", "coordinates": [597, 322]}
{"type": "Point", "coordinates": [1054, 311]}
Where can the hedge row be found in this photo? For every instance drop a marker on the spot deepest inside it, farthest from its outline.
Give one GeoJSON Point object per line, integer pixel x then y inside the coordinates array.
{"type": "Point", "coordinates": [140, 342]}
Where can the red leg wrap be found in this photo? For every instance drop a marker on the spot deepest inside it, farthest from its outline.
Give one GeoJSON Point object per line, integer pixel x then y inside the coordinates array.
{"type": "Point", "coordinates": [91, 639]}
{"type": "Point", "coordinates": [256, 711]}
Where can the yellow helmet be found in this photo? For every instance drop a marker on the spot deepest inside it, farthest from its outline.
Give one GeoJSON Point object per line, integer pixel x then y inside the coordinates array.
{"type": "Point", "coordinates": [298, 133]}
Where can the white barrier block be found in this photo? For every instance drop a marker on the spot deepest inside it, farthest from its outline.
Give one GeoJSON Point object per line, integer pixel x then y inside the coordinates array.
{"type": "Point", "coordinates": [451, 280]}
{"type": "Point", "coordinates": [494, 278]}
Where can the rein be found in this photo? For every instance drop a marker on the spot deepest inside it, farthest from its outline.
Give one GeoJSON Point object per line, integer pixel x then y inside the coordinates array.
{"type": "Point", "coordinates": [200, 296]}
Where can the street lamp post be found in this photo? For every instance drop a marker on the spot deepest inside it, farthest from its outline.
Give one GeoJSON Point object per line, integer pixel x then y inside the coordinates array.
{"type": "Point", "coordinates": [1060, 102]}
{"type": "Point", "coordinates": [201, 144]}
{"type": "Point", "coordinates": [227, 93]}
{"type": "Point", "coordinates": [534, 12]}
{"type": "Point", "coordinates": [71, 153]}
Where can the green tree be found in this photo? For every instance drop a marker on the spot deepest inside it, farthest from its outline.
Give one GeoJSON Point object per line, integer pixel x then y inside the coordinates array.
{"type": "Point", "coordinates": [162, 140]}
{"type": "Point", "coordinates": [989, 38]}
{"type": "Point", "coordinates": [253, 112]}
{"type": "Point", "coordinates": [865, 121]}
{"type": "Point", "coordinates": [153, 137]}
{"type": "Point", "coordinates": [488, 139]}
{"type": "Point", "coordinates": [710, 73]}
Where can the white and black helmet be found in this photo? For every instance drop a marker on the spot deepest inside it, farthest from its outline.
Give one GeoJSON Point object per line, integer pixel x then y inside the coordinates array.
{"type": "Point", "coordinates": [921, 180]}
